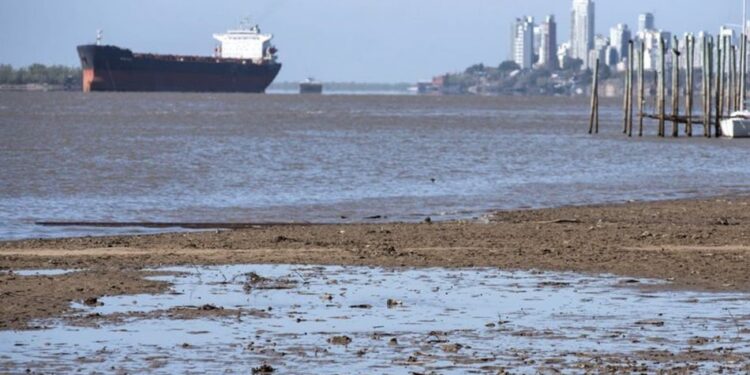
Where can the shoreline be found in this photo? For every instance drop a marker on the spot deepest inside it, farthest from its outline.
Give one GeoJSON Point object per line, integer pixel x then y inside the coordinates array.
{"type": "Point", "coordinates": [697, 244]}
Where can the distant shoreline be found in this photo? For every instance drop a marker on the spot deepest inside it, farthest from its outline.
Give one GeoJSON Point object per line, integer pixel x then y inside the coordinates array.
{"type": "Point", "coordinates": [34, 87]}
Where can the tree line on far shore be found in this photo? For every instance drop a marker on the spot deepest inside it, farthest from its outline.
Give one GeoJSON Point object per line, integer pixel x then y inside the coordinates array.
{"type": "Point", "coordinates": [40, 74]}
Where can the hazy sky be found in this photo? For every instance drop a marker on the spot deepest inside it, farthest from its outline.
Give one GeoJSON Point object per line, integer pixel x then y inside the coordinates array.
{"type": "Point", "coordinates": [333, 40]}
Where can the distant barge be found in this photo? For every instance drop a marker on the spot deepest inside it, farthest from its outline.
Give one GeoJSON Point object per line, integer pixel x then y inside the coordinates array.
{"type": "Point", "coordinates": [310, 86]}
{"type": "Point", "coordinates": [244, 62]}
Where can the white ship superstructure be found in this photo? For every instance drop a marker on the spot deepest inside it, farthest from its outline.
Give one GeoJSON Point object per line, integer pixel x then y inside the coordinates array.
{"type": "Point", "coordinates": [247, 44]}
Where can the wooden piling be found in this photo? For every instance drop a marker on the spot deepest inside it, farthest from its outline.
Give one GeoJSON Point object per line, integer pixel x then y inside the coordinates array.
{"type": "Point", "coordinates": [719, 85]}
{"type": "Point", "coordinates": [736, 77]}
{"type": "Point", "coordinates": [731, 68]}
{"type": "Point", "coordinates": [689, 56]}
{"type": "Point", "coordinates": [662, 87]}
{"type": "Point", "coordinates": [708, 53]}
{"type": "Point", "coordinates": [641, 87]}
{"type": "Point", "coordinates": [631, 66]}
{"type": "Point", "coordinates": [655, 84]}
{"type": "Point", "coordinates": [737, 67]}
{"type": "Point", "coordinates": [675, 85]}
{"type": "Point", "coordinates": [743, 72]}
{"type": "Point", "coordinates": [626, 87]}
{"type": "Point", "coordinates": [594, 121]}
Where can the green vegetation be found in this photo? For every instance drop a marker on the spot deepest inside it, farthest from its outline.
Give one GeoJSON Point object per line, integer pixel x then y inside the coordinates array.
{"type": "Point", "coordinates": [40, 74]}
{"type": "Point", "coordinates": [509, 79]}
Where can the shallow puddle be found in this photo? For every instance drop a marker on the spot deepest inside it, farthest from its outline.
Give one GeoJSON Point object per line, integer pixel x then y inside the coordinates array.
{"type": "Point", "coordinates": [305, 319]}
{"type": "Point", "coordinates": [42, 272]}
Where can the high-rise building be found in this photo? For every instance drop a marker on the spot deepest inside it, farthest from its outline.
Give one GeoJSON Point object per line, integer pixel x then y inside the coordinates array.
{"type": "Point", "coordinates": [651, 41]}
{"type": "Point", "coordinates": [582, 30]}
{"type": "Point", "coordinates": [619, 36]}
{"type": "Point", "coordinates": [601, 43]}
{"type": "Point", "coordinates": [563, 55]}
{"type": "Point", "coordinates": [700, 38]}
{"type": "Point", "coordinates": [611, 58]}
{"type": "Point", "coordinates": [646, 22]}
{"type": "Point", "coordinates": [728, 33]}
{"type": "Point", "coordinates": [548, 43]}
{"type": "Point", "coordinates": [697, 54]}
{"type": "Point", "coordinates": [523, 42]}
{"type": "Point", "coordinates": [537, 40]}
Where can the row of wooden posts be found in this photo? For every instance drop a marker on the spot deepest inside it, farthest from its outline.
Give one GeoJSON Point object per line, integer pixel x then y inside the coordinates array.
{"type": "Point", "coordinates": [723, 83]}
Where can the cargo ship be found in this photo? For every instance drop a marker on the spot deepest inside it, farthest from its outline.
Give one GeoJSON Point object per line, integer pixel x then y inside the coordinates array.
{"type": "Point", "coordinates": [245, 61]}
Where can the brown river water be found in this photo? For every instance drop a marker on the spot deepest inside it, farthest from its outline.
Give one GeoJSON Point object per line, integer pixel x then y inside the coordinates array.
{"type": "Point", "coordinates": [290, 158]}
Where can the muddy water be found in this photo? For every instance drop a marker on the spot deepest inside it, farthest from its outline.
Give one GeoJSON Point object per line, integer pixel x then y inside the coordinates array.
{"type": "Point", "coordinates": [338, 320]}
{"type": "Point", "coordinates": [193, 157]}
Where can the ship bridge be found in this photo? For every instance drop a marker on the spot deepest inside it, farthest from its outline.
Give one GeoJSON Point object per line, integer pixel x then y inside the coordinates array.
{"type": "Point", "coordinates": [245, 43]}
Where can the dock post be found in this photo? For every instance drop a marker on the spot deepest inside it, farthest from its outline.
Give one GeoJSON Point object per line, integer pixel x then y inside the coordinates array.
{"type": "Point", "coordinates": [625, 100]}
{"type": "Point", "coordinates": [641, 88]}
{"type": "Point", "coordinates": [689, 45]}
{"type": "Point", "coordinates": [719, 84]}
{"type": "Point", "coordinates": [594, 100]}
{"type": "Point", "coordinates": [704, 83]}
{"type": "Point", "coordinates": [631, 67]}
{"type": "Point", "coordinates": [731, 69]}
{"type": "Point", "coordinates": [735, 79]}
{"type": "Point", "coordinates": [743, 71]}
{"type": "Point", "coordinates": [710, 87]}
{"type": "Point", "coordinates": [704, 80]}
{"type": "Point", "coordinates": [662, 87]}
{"type": "Point", "coordinates": [737, 75]}
{"type": "Point", "coordinates": [675, 86]}
{"type": "Point", "coordinates": [655, 85]}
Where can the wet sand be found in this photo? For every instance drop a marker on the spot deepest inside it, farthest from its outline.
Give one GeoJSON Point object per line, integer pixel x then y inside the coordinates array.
{"type": "Point", "coordinates": [694, 244]}
{"type": "Point", "coordinates": [373, 320]}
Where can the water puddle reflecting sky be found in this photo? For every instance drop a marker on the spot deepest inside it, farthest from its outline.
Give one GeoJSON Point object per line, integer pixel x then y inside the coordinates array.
{"type": "Point", "coordinates": [309, 319]}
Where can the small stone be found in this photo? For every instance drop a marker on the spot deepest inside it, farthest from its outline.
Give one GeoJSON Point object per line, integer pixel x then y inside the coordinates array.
{"type": "Point", "coordinates": [209, 307]}
{"type": "Point", "coordinates": [391, 303]}
{"type": "Point", "coordinates": [361, 306]}
{"type": "Point", "coordinates": [650, 322]}
{"type": "Point", "coordinates": [452, 348]}
{"type": "Point", "coordinates": [263, 369]}
{"type": "Point", "coordinates": [340, 340]}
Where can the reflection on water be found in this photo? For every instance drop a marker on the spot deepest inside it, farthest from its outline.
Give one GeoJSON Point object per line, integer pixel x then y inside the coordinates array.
{"type": "Point", "coordinates": [211, 157]}
{"type": "Point", "coordinates": [448, 321]}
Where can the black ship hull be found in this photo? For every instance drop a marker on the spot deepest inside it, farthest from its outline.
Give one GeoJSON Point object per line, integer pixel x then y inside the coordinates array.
{"type": "Point", "coordinates": [109, 68]}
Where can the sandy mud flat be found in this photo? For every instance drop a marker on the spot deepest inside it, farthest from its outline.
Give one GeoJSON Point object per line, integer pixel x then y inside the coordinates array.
{"type": "Point", "coordinates": [357, 319]}
{"type": "Point", "coordinates": [632, 287]}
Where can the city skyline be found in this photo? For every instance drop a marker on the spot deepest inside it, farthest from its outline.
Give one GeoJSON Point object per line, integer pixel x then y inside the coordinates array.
{"type": "Point", "coordinates": [587, 45]}
{"type": "Point", "coordinates": [582, 30]}
{"type": "Point", "coordinates": [387, 41]}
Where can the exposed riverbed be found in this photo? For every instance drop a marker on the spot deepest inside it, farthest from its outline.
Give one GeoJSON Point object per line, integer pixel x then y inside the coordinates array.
{"type": "Point", "coordinates": [313, 319]}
